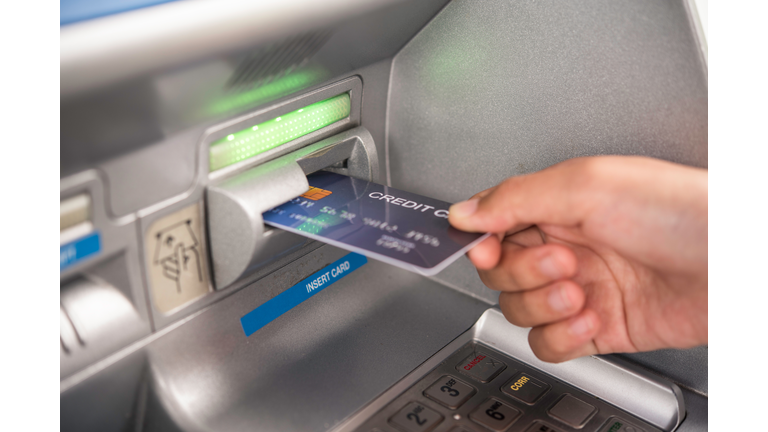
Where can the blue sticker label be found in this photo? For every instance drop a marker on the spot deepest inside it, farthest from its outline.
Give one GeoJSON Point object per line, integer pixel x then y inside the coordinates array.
{"type": "Point", "coordinates": [78, 250]}
{"type": "Point", "coordinates": [296, 294]}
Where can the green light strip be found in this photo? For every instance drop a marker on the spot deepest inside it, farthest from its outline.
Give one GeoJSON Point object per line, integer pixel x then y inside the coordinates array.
{"type": "Point", "coordinates": [270, 134]}
{"type": "Point", "coordinates": [263, 93]}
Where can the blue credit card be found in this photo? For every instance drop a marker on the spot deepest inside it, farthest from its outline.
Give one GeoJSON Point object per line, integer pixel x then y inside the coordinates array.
{"type": "Point", "coordinates": [400, 228]}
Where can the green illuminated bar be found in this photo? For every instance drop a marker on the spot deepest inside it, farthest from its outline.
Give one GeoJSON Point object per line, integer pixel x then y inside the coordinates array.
{"type": "Point", "coordinates": [270, 134]}
{"type": "Point", "coordinates": [286, 85]}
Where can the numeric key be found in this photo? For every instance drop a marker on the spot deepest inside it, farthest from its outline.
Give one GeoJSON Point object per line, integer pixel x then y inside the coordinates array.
{"type": "Point", "coordinates": [415, 417]}
{"type": "Point", "coordinates": [450, 392]}
{"type": "Point", "coordinates": [494, 414]}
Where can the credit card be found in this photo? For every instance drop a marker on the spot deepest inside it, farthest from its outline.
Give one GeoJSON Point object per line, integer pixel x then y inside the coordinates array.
{"type": "Point", "coordinates": [404, 229]}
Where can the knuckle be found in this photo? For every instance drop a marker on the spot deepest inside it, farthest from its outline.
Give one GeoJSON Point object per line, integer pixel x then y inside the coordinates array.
{"type": "Point", "coordinates": [554, 349]}
{"type": "Point", "coordinates": [531, 271]}
{"type": "Point", "coordinates": [542, 349]}
{"type": "Point", "coordinates": [503, 198]}
{"type": "Point", "coordinates": [557, 350]}
{"type": "Point", "coordinates": [513, 282]}
{"type": "Point", "coordinates": [508, 305]}
{"type": "Point", "coordinates": [500, 279]}
{"type": "Point", "coordinates": [517, 268]}
{"type": "Point", "coordinates": [592, 171]}
{"type": "Point", "coordinates": [489, 278]}
{"type": "Point", "coordinates": [509, 183]}
{"type": "Point", "coordinates": [515, 319]}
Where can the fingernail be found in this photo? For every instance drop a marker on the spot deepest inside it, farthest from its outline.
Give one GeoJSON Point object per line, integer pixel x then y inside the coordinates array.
{"type": "Point", "coordinates": [581, 326]}
{"type": "Point", "coordinates": [559, 300]}
{"type": "Point", "coordinates": [464, 208]}
{"type": "Point", "coordinates": [550, 267]}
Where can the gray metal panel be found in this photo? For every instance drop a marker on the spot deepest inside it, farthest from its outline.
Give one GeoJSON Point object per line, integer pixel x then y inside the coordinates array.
{"type": "Point", "coordinates": [318, 363]}
{"type": "Point", "coordinates": [240, 243]}
{"type": "Point", "coordinates": [166, 111]}
{"type": "Point", "coordinates": [234, 215]}
{"type": "Point", "coordinates": [608, 378]}
{"type": "Point", "coordinates": [109, 401]}
{"type": "Point", "coordinates": [199, 165]}
{"type": "Point", "coordinates": [170, 167]}
{"type": "Point", "coordinates": [113, 276]}
{"type": "Point", "coordinates": [688, 368]}
{"type": "Point", "coordinates": [152, 174]}
{"type": "Point", "coordinates": [365, 311]}
{"type": "Point", "coordinates": [483, 93]}
{"type": "Point", "coordinates": [97, 53]}
{"type": "Point", "coordinates": [310, 368]}
{"type": "Point", "coordinates": [374, 110]}
{"type": "Point", "coordinates": [102, 318]}
{"type": "Point", "coordinates": [650, 398]}
{"type": "Point", "coordinates": [697, 418]}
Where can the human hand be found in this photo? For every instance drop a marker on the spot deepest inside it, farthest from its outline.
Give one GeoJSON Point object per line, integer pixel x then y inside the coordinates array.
{"type": "Point", "coordinates": [599, 255]}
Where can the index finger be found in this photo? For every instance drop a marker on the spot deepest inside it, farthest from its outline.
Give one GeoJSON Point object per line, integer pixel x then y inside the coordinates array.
{"type": "Point", "coordinates": [550, 196]}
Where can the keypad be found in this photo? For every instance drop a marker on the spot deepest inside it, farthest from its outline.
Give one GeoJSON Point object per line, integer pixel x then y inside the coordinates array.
{"type": "Point", "coordinates": [415, 417]}
{"type": "Point", "coordinates": [449, 391]}
{"type": "Point", "coordinates": [525, 388]}
{"type": "Point", "coordinates": [477, 389]}
{"type": "Point", "coordinates": [572, 411]}
{"type": "Point", "coordinates": [494, 415]}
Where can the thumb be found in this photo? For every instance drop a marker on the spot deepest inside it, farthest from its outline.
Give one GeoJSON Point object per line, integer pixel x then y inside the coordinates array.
{"type": "Point", "coordinates": [545, 197]}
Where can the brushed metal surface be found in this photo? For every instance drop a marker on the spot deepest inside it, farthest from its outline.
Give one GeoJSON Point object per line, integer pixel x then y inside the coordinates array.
{"type": "Point", "coordinates": [100, 52]}
{"type": "Point", "coordinates": [484, 93]}
{"type": "Point", "coordinates": [310, 368]}
{"type": "Point", "coordinates": [103, 320]}
{"type": "Point", "coordinates": [143, 131]}
{"type": "Point", "coordinates": [654, 400]}
{"type": "Point", "coordinates": [234, 214]}
{"type": "Point", "coordinates": [688, 368]}
{"type": "Point", "coordinates": [104, 294]}
{"type": "Point", "coordinates": [697, 418]}
{"type": "Point", "coordinates": [238, 241]}
{"type": "Point", "coordinates": [561, 79]}
{"type": "Point", "coordinates": [609, 378]}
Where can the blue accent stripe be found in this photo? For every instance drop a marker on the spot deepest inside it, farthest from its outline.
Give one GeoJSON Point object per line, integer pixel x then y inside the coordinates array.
{"type": "Point", "coordinates": [303, 290]}
{"type": "Point", "coordinates": [72, 11]}
{"type": "Point", "coordinates": [78, 250]}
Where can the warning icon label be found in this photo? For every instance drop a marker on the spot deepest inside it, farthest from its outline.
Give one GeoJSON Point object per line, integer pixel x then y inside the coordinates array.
{"type": "Point", "coordinates": [176, 259]}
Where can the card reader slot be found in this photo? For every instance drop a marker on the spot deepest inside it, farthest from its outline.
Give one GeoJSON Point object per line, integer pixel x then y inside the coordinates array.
{"type": "Point", "coordinates": [239, 243]}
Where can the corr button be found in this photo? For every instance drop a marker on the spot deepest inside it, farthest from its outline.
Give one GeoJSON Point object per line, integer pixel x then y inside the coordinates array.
{"type": "Point", "coordinates": [525, 388]}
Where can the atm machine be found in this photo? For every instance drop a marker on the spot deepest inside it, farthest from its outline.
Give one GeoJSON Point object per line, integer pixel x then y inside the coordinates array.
{"type": "Point", "coordinates": [181, 122]}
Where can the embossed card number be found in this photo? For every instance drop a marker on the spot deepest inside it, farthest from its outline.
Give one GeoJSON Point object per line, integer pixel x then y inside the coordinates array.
{"type": "Point", "coordinates": [397, 227]}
